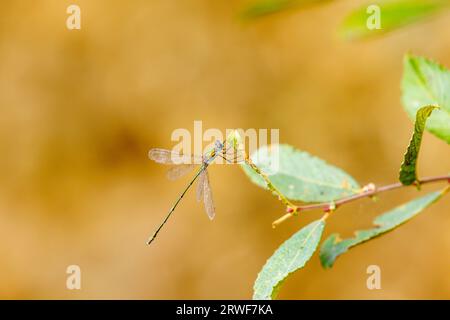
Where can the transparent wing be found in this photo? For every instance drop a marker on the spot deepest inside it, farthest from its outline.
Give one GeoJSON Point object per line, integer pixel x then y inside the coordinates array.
{"type": "Point", "coordinates": [208, 198]}
{"type": "Point", "coordinates": [165, 156]}
{"type": "Point", "coordinates": [200, 185]}
{"type": "Point", "coordinates": [179, 170]}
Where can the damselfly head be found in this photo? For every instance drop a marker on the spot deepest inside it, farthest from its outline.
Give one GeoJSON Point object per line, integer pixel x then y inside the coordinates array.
{"type": "Point", "coordinates": [219, 145]}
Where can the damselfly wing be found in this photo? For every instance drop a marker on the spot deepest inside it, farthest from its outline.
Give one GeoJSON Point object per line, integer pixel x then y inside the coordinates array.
{"type": "Point", "coordinates": [184, 164]}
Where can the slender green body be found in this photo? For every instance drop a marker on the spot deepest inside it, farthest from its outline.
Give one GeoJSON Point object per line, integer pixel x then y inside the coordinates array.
{"type": "Point", "coordinates": [203, 167]}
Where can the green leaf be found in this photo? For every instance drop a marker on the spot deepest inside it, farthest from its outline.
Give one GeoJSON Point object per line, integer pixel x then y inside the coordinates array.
{"type": "Point", "coordinates": [393, 14]}
{"type": "Point", "coordinates": [265, 7]}
{"type": "Point", "coordinates": [408, 169]}
{"type": "Point", "coordinates": [289, 257]}
{"type": "Point", "coordinates": [426, 83]}
{"type": "Point", "coordinates": [334, 246]}
{"type": "Point", "coordinates": [300, 176]}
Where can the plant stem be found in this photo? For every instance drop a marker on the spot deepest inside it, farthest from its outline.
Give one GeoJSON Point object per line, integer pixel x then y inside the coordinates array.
{"type": "Point", "coordinates": [269, 185]}
{"type": "Point", "coordinates": [369, 191]}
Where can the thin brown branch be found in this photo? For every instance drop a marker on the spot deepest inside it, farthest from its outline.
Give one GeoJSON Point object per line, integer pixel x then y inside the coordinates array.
{"type": "Point", "coordinates": [368, 191]}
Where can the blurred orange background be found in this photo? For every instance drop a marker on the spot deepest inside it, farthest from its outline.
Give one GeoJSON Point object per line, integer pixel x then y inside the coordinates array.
{"type": "Point", "coordinates": [81, 109]}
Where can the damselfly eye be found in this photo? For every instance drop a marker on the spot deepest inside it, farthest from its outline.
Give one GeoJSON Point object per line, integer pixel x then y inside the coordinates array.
{"type": "Point", "coordinates": [218, 144]}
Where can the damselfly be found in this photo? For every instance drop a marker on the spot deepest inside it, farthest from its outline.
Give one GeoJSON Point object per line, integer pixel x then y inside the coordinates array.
{"type": "Point", "coordinates": [185, 163]}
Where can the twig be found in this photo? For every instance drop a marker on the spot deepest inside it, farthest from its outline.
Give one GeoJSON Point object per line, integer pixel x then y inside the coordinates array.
{"type": "Point", "coordinates": [369, 191]}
